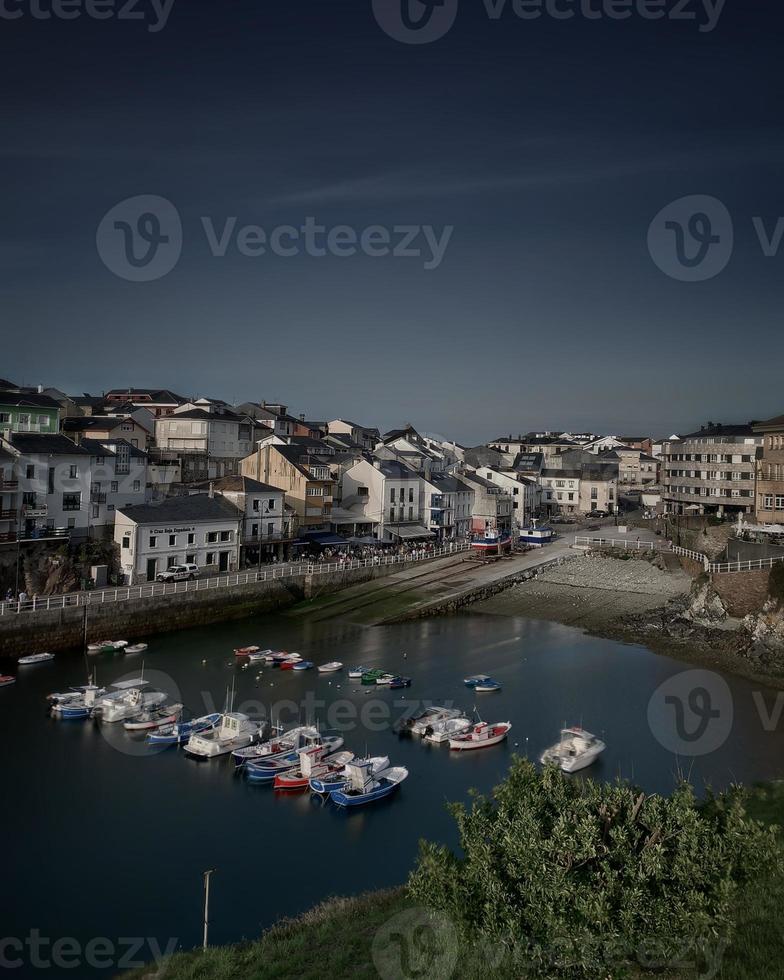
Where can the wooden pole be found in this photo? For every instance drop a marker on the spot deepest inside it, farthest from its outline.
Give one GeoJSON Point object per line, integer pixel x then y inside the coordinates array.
{"type": "Point", "coordinates": [207, 905]}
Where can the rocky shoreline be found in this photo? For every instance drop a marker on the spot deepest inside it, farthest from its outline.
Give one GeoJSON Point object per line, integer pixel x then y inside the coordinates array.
{"type": "Point", "coordinates": [649, 600]}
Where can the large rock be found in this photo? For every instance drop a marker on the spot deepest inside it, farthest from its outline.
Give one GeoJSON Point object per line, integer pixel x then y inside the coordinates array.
{"type": "Point", "coordinates": [705, 606]}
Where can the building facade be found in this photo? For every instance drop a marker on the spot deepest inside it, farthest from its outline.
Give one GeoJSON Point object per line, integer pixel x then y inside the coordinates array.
{"type": "Point", "coordinates": [712, 471]}
{"type": "Point", "coordinates": [770, 472]}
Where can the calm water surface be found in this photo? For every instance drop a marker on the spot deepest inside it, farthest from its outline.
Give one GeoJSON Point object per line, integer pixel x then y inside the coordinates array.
{"type": "Point", "coordinates": [105, 838]}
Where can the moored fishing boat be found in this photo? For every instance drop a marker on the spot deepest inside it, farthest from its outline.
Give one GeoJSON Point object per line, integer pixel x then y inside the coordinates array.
{"type": "Point", "coordinates": [330, 668]}
{"type": "Point", "coordinates": [575, 750]}
{"type": "Point", "coordinates": [419, 724]}
{"type": "Point", "coordinates": [35, 658]}
{"type": "Point", "coordinates": [6, 680]}
{"type": "Point", "coordinates": [481, 736]}
{"type": "Point", "coordinates": [78, 705]}
{"type": "Point", "coordinates": [303, 665]}
{"type": "Point", "coordinates": [298, 778]}
{"type": "Point", "coordinates": [492, 542]}
{"type": "Point", "coordinates": [535, 536]}
{"type": "Point", "coordinates": [371, 676]}
{"type": "Point", "coordinates": [277, 742]}
{"type": "Point", "coordinates": [265, 770]}
{"type": "Point", "coordinates": [475, 679]}
{"type": "Point", "coordinates": [128, 698]}
{"type": "Point", "coordinates": [386, 678]}
{"type": "Point", "coordinates": [165, 715]}
{"type": "Point", "coordinates": [338, 780]}
{"type": "Point", "coordinates": [135, 648]}
{"type": "Point", "coordinates": [356, 672]}
{"type": "Point", "coordinates": [180, 732]}
{"type": "Point", "coordinates": [365, 786]}
{"type": "Point", "coordinates": [442, 731]}
{"type": "Point", "coordinates": [398, 682]}
{"type": "Point", "coordinates": [245, 651]}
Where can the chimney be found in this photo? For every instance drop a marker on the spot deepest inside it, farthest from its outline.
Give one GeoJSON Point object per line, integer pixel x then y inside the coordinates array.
{"type": "Point", "coordinates": [212, 490]}
{"type": "Point", "coordinates": [377, 463]}
{"type": "Point", "coordinates": [40, 389]}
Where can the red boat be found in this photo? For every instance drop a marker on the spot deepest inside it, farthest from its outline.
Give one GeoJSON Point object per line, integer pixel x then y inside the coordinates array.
{"type": "Point", "coordinates": [6, 679]}
{"type": "Point", "coordinates": [481, 735]}
{"type": "Point", "coordinates": [246, 651]}
{"type": "Point", "coordinates": [312, 766]}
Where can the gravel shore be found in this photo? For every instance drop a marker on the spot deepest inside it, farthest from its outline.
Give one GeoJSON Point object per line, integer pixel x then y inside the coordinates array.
{"type": "Point", "coordinates": [591, 591]}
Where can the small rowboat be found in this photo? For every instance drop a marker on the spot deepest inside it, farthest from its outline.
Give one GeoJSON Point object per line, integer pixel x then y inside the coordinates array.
{"type": "Point", "coordinates": [481, 736]}
{"type": "Point", "coordinates": [166, 715]}
{"type": "Point", "coordinates": [136, 648]}
{"type": "Point", "coordinates": [475, 679]}
{"type": "Point", "coordinates": [485, 687]}
{"type": "Point", "coordinates": [6, 680]}
{"type": "Point", "coordinates": [385, 679]}
{"type": "Point", "coordinates": [398, 682]}
{"type": "Point", "coordinates": [245, 651]}
{"type": "Point", "coordinates": [371, 676]}
{"type": "Point", "coordinates": [366, 787]}
{"type": "Point", "coordinates": [330, 667]}
{"type": "Point", "coordinates": [179, 733]}
{"type": "Point", "coordinates": [356, 672]}
{"type": "Point", "coordinates": [107, 646]}
{"type": "Point", "coordinates": [303, 665]}
{"type": "Point", "coordinates": [299, 778]}
{"type": "Point", "coordinates": [35, 658]}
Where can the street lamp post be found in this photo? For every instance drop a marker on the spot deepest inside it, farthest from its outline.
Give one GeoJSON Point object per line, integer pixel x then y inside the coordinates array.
{"type": "Point", "coordinates": [207, 875]}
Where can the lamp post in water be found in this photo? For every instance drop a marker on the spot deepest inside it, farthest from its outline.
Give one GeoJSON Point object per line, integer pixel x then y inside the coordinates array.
{"type": "Point", "coordinates": [207, 904]}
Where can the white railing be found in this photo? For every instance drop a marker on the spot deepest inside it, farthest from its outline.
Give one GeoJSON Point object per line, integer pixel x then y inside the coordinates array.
{"type": "Point", "coordinates": [715, 567]}
{"type": "Point", "coordinates": [270, 573]}
{"type": "Point", "coordinates": [624, 544]}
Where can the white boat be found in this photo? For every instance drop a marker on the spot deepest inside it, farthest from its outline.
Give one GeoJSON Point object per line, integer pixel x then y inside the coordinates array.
{"type": "Point", "coordinates": [136, 648]}
{"type": "Point", "coordinates": [475, 679]}
{"type": "Point", "coordinates": [233, 731]}
{"type": "Point", "coordinates": [128, 699]}
{"type": "Point", "coordinates": [576, 749]}
{"type": "Point", "coordinates": [481, 736]}
{"type": "Point", "coordinates": [279, 743]}
{"type": "Point", "coordinates": [35, 658]}
{"type": "Point", "coordinates": [429, 717]}
{"type": "Point", "coordinates": [354, 672]}
{"type": "Point", "coordinates": [385, 679]}
{"type": "Point", "coordinates": [442, 731]}
{"type": "Point", "coordinates": [329, 668]}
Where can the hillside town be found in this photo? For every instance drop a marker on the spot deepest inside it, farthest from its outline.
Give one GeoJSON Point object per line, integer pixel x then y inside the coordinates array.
{"type": "Point", "coordinates": [164, 481]}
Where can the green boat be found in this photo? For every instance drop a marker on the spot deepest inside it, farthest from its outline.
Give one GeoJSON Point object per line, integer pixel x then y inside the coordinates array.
{"type": "Point", "coordinates": [371, 676]}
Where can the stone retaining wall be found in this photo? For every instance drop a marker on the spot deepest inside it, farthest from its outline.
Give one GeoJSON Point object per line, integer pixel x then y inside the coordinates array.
{"type": "Point", "coordinates": [742, 592]}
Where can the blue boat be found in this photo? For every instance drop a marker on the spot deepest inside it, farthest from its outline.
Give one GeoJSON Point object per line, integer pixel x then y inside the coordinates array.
{"type": "Point", "coordinates": [398, 682]}
{"type": "Point", "coordinates": [70, 712]}
{"type": "Point", "coordinates": [180, 732]}
{"type": "Point", "coordinates": [491, 542]}
{"type": "Point", "coordinates": [535, 536]}
{"type": "Point", "coordinates": [303, 665]}
{"type": "Point", "coordinates": [487, 685]}
{"type": "Point", "coordinates": [475, 679]}
{"type": "Point", "coordinates": [266, 769]}
{"type": "Point", "coordinates": [365, 786]}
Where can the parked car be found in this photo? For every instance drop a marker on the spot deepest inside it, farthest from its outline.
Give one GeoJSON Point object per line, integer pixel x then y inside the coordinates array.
{"type": "Point", "coordinates": [178, 573]}
{"type": "Point", "coordinates": [598, 513]}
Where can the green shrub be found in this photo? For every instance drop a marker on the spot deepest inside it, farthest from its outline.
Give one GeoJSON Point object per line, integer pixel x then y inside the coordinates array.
{"type": "Point", "coordinates": [776, 583]}
{"type": "Point", "coordinates": [582, 880]}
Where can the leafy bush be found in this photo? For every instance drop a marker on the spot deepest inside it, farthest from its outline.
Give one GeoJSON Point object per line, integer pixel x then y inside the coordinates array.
{"type": "Point", "coordinates": [579, 879]}
{"type": "Point", "coordinates": [776, 583]}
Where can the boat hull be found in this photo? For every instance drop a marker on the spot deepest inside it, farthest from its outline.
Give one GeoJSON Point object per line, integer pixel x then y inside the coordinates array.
{"type": "Point", "coordinates": [345, 799]}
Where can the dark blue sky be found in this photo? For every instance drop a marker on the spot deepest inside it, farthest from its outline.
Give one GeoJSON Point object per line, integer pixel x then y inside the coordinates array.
{"type": "Point", "coordinates": [549, 145]}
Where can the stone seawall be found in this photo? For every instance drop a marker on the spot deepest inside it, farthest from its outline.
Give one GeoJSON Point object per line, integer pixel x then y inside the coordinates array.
{"type": "Point", "coordinates": [62, 629]}
{"type": "Point", "coordinates": [742, 592]}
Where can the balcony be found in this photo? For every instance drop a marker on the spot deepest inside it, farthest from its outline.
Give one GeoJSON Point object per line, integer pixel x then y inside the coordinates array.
{"type": "Point", "coordinates": [11, 485]}
{"type": "Point", "coordinates": [8, 515]}
{"type": "Point", "coordinates": [97, 497]}
{"type": "Point", "coordinates": [34, 510]}
{"type": "Point", "coordinates": [8, 537]}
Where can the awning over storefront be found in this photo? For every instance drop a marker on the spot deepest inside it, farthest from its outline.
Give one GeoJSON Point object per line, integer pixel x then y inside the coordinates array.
{"type": "Point", "coordinates": [325, 539]}
{"type": "Point", "coordinates": [410, 532]}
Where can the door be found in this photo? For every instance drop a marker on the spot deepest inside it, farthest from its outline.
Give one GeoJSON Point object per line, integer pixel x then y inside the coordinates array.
{"type": "Point", "coordinates": [152, 569]}
{"type": "Point", "coordinates": [223, 561]}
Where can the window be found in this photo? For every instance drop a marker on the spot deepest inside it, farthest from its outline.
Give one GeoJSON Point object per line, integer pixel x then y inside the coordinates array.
{"type": "Point", "coordinates": [171, 561]}
{"type": "Point", "coordinates": [137, 486]}
{"type": "Point", "coordinates": [30, 472]}
{"type": "Point", "coordinates": [172, 540]}
{"type": "Point", "coordinates": [210, 558]}
{"type": "Point", "coordinates": [315, 492]}
{"type": "Point", "coordinates": [29, 499]}
{"type": "Point", "coordinates": [126, 542]}
{"type": "Point", "coordinates": [270, 530]}
{"type": "Point", "coordinates": [73, 472]}
{"type": "Point", "coordinates": [767, 501]}
{"type": "Point", "coordinates": [153, 541]}
{"type": "Point", "coordinates": [212, 537]}
{"type": "Point", "coordinates": [411, 513]}
{"type": "Point", "coordinates": [190, 559]}
{"type": "Point", "coordinates": [71, 522]}
{"type": "Point", "coordinates": [411, 495]}
{"type": "Point", "coordinates": [362, 492]}
{"type": "Point", "coordinates": [271, 503]}
{"type": "Point", "coordinates": [72, 501]}
{"type": "Point", "coordinates": [254, 530]}
{"type": "Point", "coordinates": [780, 502]}
{"type": "Point", "coordinates": [391, 513]}
{"type": "Point", "coordinates": [5, 417]}
{"type": "Point", "coordinates": [115, 486]}
{"type": "Point", "coordinates": [191, 538]}
{"type": "Point", "coordinates": [225, 535]}
{"type": "Point", "coordinates": [23, 419]}
{"type": "Point", "coordinates": [392, 495]}
{"type": "Point", "coordinates": [96, 510]}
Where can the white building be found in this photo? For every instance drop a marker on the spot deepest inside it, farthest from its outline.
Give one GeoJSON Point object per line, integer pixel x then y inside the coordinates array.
{"type": "Point", "coordinates": [118, 477]}
{"type": "Point", "coordinates": [523, 490]}
{"type": "Point", "coordinates": [447, 505]}
{"type": "Point", "coordinates": [266, 526]}
{"type": "Point", "coordinates": [212, 441]}
{"type": "Point", "coordinates": [385, 494]}
{"type": "Point", "coordinates": [198, 529]}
